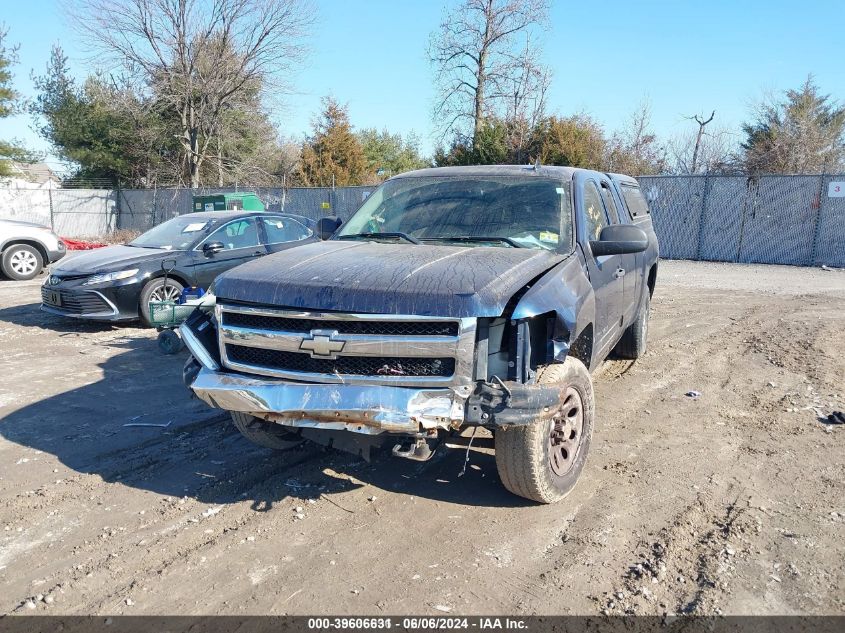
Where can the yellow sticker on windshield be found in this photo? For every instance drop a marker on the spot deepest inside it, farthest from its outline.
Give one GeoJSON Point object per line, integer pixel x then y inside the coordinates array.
{"type": "Point", "coordinates": [548, 236]}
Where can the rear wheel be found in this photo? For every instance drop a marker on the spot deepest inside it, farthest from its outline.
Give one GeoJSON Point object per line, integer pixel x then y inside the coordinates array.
{"type": "Point", "coordinates": [157, 290]}
{"type": "Point", "coordinates": [542, 460]}
{"type": "Point", "coordinates": [21, 262]}
{"type": "Point", "coordinates": [266, 434]}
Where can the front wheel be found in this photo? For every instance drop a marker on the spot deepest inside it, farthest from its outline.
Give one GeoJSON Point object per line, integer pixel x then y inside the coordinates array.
{"type": "Point", "coordinates": [157, 290]}
{"type": "Point", "coordinates": [542, 460]}
{"type": "Point", "coordinates": [22, 262]}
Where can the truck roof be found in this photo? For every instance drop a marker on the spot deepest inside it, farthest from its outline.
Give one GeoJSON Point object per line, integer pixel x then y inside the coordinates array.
{"type": "Point", "coordinates": [564, 173]}
{"type": "Point", "coordinates": [543, 171]}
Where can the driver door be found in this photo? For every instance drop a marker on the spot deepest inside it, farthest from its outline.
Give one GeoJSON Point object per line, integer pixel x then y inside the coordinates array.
{"type": "Point", "coordinates": [240, 244]}
{"type": "Point", "coordinates": [608, 285]}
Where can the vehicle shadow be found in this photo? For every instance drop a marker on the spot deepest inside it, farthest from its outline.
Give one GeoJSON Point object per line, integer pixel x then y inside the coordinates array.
{"type": "Point", "coordinates": [137, 425]}
{"type": "Point", "coordinates": [31, 315]}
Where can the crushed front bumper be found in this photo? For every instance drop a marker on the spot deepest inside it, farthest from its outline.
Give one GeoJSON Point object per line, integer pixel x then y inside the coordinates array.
{"type": "Point", "coordinates": [357, 408]}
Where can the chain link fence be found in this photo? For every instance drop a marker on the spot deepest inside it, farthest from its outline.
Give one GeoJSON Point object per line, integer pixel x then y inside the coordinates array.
{"type": "Point", "coordinates": [141, 209]}
{"type": "Point", "coordinates": [797, 220]}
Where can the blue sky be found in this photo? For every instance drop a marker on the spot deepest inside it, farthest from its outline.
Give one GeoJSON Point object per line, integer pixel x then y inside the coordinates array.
{"type": "Point", "coordinates": [684, 57]}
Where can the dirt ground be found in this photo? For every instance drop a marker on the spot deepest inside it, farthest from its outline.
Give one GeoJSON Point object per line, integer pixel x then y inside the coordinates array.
{"type": "Point", "coordinates": [732, 502]}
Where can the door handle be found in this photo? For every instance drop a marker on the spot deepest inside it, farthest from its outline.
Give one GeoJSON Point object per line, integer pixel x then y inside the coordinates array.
{"type": "Point", "coordinates": [620, 272]}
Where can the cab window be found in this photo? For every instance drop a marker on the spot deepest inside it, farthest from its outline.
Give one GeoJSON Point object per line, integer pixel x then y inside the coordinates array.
{"type": "Point", "coordinates": [594, 213]}
{"type": "Point", "coordinates": [635, 200]}
{"type": "Point", "coordinates": [281, 229]}
{"type": "Point", "coordinates": [234, 235]}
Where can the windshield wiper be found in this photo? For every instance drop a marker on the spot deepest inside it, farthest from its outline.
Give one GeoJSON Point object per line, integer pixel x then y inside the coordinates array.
{"type": "Point", "coordinates": [401, 236]}
{"type": "Point", "coordinates": [480, 238]}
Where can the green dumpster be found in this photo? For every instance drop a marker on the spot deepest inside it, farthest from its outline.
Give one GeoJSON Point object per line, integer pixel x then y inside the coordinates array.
{"type": "Point", "coordinates": [228, 202]}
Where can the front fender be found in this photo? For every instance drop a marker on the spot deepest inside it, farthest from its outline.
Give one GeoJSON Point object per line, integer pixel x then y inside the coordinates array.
{"type": "Point", "coordinates": [566, 291]}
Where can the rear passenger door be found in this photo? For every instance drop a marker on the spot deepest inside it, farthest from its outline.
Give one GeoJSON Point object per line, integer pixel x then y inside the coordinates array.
{"type": "Point", "coordinates": [630, 270]}
{"type": "Point", "coordinates": [607, 282]}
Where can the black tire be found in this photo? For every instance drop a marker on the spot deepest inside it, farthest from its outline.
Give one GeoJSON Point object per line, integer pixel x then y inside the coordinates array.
{"type": "Point", "coordinates": [266, 434]}
{"type": "Point", "coordinates": [634, 341]}
{"type": "Point", "coordinates": [169, 342]}
{"type": "Point", "coordinates": [155, 290]}
{"type": "Point", "coordinates": [528, 463]}
{"type": "Point", "coordinates": [22, 262]}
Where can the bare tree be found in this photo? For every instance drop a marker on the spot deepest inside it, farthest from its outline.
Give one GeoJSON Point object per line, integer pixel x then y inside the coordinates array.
{"type": "Point", "coordinates": [479, 66]}
{"type": "Point", "coordinates": [635, 148]}
{"type": "Point", "coordinates": [197, 55]}
{"type": "Point", "coordinates": [526, 102]}
{"type": "Point", "coordinates": [705, 150]}
{"type": "Point", "coordinates": [699, 135]}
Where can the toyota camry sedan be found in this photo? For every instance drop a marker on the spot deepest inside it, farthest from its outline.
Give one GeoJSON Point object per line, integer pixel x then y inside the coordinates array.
{"type": "Point", "coordinates": [117, 283]}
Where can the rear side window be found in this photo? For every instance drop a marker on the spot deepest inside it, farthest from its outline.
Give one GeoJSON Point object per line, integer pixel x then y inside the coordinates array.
{"type": "Point", "coordinates": [593, 211]}
{"type": "Point", "coordinates": [280, 229]}
{"type": "Point", "coordinates": [635, 200]}
{"type": "Point", "coordinates": [609, 203]}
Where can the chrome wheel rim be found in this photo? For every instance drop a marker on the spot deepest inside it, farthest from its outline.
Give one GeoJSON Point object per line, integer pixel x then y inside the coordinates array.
{"type": "Point", "coordinates": [165, 292]}
{"type": "Point", "coordinates": [566, 431]}
{"type": "Point", "coordinates": [23, 262]}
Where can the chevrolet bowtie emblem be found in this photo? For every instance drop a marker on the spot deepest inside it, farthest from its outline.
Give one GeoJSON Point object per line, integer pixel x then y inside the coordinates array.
{"type": "Point", "coordinates": [322, 344]}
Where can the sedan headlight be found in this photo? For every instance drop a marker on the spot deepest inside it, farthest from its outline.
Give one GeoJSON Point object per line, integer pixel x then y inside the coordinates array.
{"type": "Point", "coordinates": [104, 277]}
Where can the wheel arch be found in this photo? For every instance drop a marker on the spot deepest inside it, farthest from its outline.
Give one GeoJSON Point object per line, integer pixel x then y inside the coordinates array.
{"type": "Point", "coordinates": [565, 295]}
{"type": "Point", "coordinates": [42, 250]}
{"type": "Point", "coordinates": [652, 278]}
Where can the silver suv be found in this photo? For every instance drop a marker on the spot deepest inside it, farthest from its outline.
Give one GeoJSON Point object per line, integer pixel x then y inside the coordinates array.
{"type": "Point", "coordinates": [25, 248]}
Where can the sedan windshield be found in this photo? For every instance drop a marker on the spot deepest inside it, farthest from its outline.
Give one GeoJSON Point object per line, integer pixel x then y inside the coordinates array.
{"type": "Point", "coordinates": [520, 211]}
{"type": "Point", "coordinates": [176, 235]}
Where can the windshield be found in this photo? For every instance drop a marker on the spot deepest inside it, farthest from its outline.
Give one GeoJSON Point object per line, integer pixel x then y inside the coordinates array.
{"type": "Point", "coordinates": [517, 211]}
{"type": "Point", "coordinates": [176, 235]}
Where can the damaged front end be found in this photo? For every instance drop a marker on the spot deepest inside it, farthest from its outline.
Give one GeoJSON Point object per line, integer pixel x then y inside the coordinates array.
{"type": "Point", "coordinates": [328, 375]}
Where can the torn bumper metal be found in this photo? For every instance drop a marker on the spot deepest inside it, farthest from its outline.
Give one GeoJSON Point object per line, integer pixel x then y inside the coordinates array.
{"type": "Point", "coordinates": [357, 408]}
{"type": "Point", "coordinates": [511, 403]}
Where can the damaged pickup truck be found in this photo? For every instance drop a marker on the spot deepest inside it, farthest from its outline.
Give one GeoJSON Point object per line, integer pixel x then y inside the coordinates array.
{"type": "Point", "coordinates": [453, 298]}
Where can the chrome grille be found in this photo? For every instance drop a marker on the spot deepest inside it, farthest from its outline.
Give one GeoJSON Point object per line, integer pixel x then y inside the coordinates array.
{"type": "Point", "coordinates": [340, 348]}
{"type": "Point", "coordinates": [386, 328]}
{"type": "Point", "coordinates": [349, 365]}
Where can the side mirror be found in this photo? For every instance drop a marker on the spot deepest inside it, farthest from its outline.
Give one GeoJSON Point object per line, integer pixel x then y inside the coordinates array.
{"type": "Point", "coordinates": [620, 239]}
{"type": "Point", "coordinates": [327, 226]}
{"type": "Point", "coordinates": [212, 247]}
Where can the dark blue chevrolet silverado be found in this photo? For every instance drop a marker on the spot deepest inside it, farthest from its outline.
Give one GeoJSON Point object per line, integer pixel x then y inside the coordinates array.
{"type": "Point", "coordinates": [453, 298]}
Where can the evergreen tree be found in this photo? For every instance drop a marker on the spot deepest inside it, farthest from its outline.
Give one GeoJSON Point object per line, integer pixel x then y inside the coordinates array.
{"type": "Point", "coordinates": [332, 154]}
{"type": "Point", "coordinates": [10, 151]}
{"type": "Point", "coordinates": [801, 134]}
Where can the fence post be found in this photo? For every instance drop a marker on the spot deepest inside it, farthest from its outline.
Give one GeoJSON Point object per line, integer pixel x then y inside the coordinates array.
{"type": "Point", "coordinates": [50, 198]}
{"type": "Point", "coordinates": [701, 217]}
{"type": "Point", "coordinates": [822, 197]}
{"type": "Point", "coordinates": [118, 208]}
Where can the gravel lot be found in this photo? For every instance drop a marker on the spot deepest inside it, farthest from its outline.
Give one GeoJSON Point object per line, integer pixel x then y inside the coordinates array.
{"type": "Point", "coordinates": [733, 502]}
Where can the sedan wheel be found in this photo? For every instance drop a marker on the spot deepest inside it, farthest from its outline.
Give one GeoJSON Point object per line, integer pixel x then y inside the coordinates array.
{"type": "Point", "coordinates": [157, 290]}
{"type": "Point", "coordinates": [168, 292]}
{"type": "Point", "coordinates": [21, 262]}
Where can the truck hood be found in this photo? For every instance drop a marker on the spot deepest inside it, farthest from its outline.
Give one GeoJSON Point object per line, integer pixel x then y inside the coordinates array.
{"type": "Point", "coordinates": [110, 258]}
{"type": "Point", "coordinates": [371, 277]}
